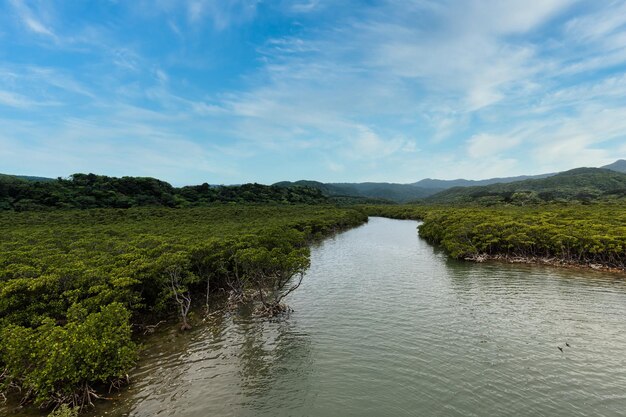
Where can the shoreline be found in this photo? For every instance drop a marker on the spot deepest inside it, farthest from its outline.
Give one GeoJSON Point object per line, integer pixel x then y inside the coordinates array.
{"type": "Point", "coordinates": [555, 262]}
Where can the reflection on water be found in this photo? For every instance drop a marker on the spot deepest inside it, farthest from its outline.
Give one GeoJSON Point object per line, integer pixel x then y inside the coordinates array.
{"type": "Point", "coordinates": [231, 359]}
{"type": "Point", "coordinates": [385, 325]}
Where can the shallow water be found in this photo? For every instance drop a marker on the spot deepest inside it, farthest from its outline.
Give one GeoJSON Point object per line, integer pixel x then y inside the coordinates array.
{"type": "Point", "coordinates": [385, 325]}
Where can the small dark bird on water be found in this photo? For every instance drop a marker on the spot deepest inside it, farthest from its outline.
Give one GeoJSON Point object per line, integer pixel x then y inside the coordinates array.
{"type": "Point", "coordinates": [567, 344]}
{"type": "Point", "coordinates": [560, 348]}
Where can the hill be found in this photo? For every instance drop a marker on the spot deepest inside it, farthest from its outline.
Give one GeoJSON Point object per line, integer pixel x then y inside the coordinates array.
{"type": "Point", "coordinates": [445, 184]}
{"type": "Point", "coordinates": [581, 184]}
{"type": "Point", "coordinates": [98, 191]}
{"type": "Point", "coordinates": [27, 177]}
{"type": "Point", "coordinates": [399, 193]}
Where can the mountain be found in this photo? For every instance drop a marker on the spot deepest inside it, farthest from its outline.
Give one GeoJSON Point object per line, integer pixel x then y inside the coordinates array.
{"type": "Point", "coordinates": [431, 189]}
{"type": "Point", "coordinates": [580, 184]}
{"type": "Point", "coordinates": [619, 166]}
{"type": "Point", "coordinates": [445, 184]}
{"type": "Point", "coordinates": [390, 191]}
{"type": "Point", "coordinates": [399, 193]}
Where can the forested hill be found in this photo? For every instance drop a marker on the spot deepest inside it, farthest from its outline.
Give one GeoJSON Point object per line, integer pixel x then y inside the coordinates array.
{"type": "Point", "coordinates": [581, 184]}
{"type": "Point", "coordinates": [97, 191]}
{"type": "Point", "coordinates": [399, 193]}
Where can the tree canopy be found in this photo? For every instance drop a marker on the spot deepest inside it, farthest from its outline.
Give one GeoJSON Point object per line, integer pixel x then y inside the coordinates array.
{"type": "Point", "coordinates": [84, 191]}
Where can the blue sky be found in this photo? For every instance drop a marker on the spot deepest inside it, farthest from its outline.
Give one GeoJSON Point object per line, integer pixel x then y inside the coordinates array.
{"type": "Point", "coordinates": [220, 91]}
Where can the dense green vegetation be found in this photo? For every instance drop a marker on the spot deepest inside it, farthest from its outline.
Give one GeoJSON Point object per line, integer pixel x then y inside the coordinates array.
{"type": "Point", "coordinates": [572, 234]}
{"type": "Point", "coordinates": [84, 191]}
{"type": "Point", "coordinates": [569, 234]}
{"type": "Point", "coordinates": [74, 283]}
{"type": "Point", "coordinates": [577, 185]}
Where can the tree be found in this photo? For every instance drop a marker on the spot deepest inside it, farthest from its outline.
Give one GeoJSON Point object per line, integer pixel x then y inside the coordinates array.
{"type": "Point", "coordinates": [271, 266]}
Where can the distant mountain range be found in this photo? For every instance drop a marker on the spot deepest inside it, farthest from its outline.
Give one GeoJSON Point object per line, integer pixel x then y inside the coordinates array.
{"type": "Point", "coordinates": [445, 184]}
{"type": "Point", "coordinates": [580, 184]}
{"type": "Point", "coordinates": [402, 193]}
{"type": "Point", "coordinates": [435, 190]}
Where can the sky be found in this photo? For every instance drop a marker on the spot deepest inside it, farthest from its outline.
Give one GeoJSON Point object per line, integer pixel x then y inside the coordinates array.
{"type": "Point", "coordinates": [234, 91]}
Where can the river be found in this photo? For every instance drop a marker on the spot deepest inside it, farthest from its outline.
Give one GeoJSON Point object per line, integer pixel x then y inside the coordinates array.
{"type": "Point", "coordinates": [386, 325]}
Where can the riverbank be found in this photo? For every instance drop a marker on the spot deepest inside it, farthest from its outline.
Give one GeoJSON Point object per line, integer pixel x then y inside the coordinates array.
{"type": "Point", "coordinates": [74, 284]}
{"type": "Point", "coordinates": [555, 262]}
{"type": "Point", "coordinates": [565, 235]}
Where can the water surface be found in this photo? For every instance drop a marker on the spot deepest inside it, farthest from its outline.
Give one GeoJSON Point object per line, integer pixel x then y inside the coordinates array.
{"type": "Point", "coordinates": [385, 325]}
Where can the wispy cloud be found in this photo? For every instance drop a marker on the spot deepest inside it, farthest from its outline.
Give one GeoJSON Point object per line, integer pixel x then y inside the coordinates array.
{"type": "Point", "coordinates": [14, 100]}
{"type": "Point", "coordinates": [484, 144]}
{"type": "Point", "coordinates": [30, 20]}
{"type": "Point", "coordinates": [306, 6]}
{"type": "Point", "coordinates": [114, 146]}
{"type": "Point", "coordinates": [10, 99]}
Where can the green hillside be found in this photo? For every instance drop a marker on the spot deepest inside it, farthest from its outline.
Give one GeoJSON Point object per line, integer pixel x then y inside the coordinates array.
{"type": "Point", "coordinates": [581, 184]}
{"type": "Point", "coordinates": [85, 191]}
{"type": "Point", "coordinates": [445, 184]}
{"type": "Point", "coordinates": [399, 193]}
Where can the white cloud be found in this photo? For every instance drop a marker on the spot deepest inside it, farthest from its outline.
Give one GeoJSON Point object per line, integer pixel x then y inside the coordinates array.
{"type": "Point", "coordinates": [18, 101]}
{"type": "Point", "coordinates": [37, 27]}
{"type": "Point", "coordinates": [366, 144]}
{"type": "Point", "coordinates": [112, 146]}
{"type": "Point", "coordinates": [483, 144]}
{"type": "Point", "coordinates": [306, 6]}
{"type": "Point", "coordinates": [335, 167]}
{"type": "Point", "coordinates": [30, 21]}
{"type": "Point", "coordinates": [465, 53]}
{"type": "Point", "coordinates": [223, 14]}
{"type": "Point", "coordinates": [10, 99]}
{"type": "Point", "coordinates": [608, 20]}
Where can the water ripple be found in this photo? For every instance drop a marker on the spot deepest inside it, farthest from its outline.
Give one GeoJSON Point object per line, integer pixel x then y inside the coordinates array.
{"type": "Point", "coordinates": [386, 325]}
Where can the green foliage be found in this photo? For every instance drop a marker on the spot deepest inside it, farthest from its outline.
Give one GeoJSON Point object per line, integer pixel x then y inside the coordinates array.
{"type": "Point", "coordinates": [64, 411]}
{"type": "Point", "coordinates": [73, 281]}
{"type": "Point", "coordinates": [403, 212]}
{"type": "Point", "coordinates": [271, 260]}
{"type": "Point", "coordinates": [96, 191]}
{"type": "Point", "coordinates": [51, 361]}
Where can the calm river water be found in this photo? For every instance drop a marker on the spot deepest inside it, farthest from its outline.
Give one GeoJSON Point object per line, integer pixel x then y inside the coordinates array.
{"type": "Point", "coordinates": [385, 325]}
